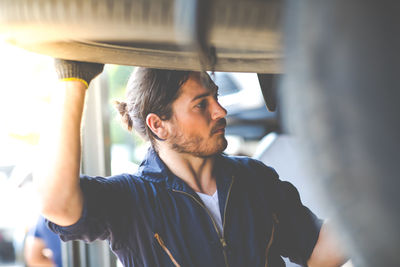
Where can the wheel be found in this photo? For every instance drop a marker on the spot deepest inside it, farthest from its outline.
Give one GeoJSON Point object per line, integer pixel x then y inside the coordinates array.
{"type": "Point", "coordinates": [341, 96]}
{"type": "Point", "coordinates": [151, 33]}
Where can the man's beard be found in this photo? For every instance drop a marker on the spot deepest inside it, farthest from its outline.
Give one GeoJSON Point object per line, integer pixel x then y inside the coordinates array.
{"type": "Point", "coordinates": [197, 145]}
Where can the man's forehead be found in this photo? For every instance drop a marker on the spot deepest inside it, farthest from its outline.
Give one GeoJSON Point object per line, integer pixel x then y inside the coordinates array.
{"type": "Point", "coordinates": [201, 78]}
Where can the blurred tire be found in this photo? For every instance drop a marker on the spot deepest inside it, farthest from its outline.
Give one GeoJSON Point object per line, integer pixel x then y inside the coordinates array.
{"type": "Point", "coordinates": [341, 96]}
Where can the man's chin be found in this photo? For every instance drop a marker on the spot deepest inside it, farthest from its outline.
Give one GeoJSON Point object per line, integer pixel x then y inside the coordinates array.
{"type": "Point", "coordinates": [224, 144]}
{"type": "Point", "coordinates": [205, 150]}
{"type": "Point", "coordinates": [221, 146]}
{"type": "Point", "coordinates": [218, 149]}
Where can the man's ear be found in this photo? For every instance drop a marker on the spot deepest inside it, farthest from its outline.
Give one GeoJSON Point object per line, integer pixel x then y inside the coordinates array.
{"type": "Point", "coordinates": [157, 126]}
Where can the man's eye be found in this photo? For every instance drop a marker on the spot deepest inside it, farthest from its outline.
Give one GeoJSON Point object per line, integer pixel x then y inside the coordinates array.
{"type": "Point", "coordinates": [202, 104]}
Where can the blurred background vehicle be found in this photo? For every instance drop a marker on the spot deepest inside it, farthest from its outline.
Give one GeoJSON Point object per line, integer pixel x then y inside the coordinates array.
{"type": "Point", "coordinates": [248, 118]}
{"type": "Point", "coordinates": [7, 250]}
{"type": "Point", "coordinates": [241, 96]}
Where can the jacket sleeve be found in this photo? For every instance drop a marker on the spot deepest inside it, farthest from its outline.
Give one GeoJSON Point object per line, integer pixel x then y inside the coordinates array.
{"type": "Point", "coordinates": [104, 201]}
{"type": "Point", "coordinates": [297, 227]}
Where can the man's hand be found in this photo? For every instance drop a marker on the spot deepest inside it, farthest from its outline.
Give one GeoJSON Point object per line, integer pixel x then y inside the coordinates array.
{"type": "Point", "coordinates": [69, 70]}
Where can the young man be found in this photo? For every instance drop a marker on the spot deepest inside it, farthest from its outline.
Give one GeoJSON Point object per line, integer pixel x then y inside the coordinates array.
{"type": "Point", "coordinates": [188, 205]}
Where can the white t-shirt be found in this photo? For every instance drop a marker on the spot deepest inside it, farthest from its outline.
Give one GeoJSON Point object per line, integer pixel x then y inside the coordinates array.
{"type": "Point", "coordinates": [211, 203]}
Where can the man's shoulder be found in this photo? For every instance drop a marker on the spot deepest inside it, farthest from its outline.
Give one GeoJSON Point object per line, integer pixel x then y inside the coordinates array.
{"type": "Point", "coordinates": [250, 170]}
{"type": "Point", "coordinates": [118, 178]}
{"type": "Point", "coordinates": [249, 166]}
{"type": "Point", "coordinates": [121, 188]}
{"type": "Point", "coordinates": [124, 181]}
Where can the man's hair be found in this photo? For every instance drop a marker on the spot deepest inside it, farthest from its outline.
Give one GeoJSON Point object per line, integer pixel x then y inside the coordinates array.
{"type": "Point", "coordinates": [150, 91]}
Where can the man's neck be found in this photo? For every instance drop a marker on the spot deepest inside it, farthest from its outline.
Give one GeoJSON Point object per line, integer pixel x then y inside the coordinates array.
{"type": "Point", "coordinates": [197, 172]}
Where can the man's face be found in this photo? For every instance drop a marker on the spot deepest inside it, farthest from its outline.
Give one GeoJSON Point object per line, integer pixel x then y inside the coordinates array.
{"type": "Point", "coordinates": [197, 126]}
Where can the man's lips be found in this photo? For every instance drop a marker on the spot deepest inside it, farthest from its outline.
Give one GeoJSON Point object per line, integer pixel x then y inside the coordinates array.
{"type": "Point", "coordinates": [222, 130]}
{"type": "Point", "coordinates": [219, 127]}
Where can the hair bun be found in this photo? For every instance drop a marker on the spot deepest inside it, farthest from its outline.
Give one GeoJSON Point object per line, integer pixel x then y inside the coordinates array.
{"type": "Point", "coordinates": [122, 108]}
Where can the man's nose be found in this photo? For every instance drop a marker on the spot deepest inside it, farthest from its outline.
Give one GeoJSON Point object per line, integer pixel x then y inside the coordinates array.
{"type": "Point", "coordinates": [218, 111]}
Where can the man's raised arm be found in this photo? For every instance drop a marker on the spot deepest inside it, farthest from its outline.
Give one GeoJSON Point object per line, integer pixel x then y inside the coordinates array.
{"type": "Point", "coordinates": [58, 176]}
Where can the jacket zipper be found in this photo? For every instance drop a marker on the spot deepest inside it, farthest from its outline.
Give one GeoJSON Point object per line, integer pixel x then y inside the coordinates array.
{"type": "Point", "coordinates": [274, 221]}
{"type": "Point", "coordinates": [220, 235]}
{"type": "Point", "coordinates": [162, 244]}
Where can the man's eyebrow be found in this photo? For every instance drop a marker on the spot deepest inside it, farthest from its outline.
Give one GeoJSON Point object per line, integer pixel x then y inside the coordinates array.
{"type": "Point", "coordinates": [201, 96]}
{"type": "Point", "coordinates": [213, 90]}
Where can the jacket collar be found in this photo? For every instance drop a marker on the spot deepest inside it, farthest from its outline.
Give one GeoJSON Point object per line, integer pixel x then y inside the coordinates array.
{"type": "Point", "coordinates": [153, 169]}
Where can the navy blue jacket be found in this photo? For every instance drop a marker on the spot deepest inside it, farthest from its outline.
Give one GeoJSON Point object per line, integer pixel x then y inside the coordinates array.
{"type": "Point", "coordinates": [154, 218]}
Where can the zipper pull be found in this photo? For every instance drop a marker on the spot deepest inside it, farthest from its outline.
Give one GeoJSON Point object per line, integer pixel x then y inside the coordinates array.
{"type": "Point", "coordinates": [223, 242]}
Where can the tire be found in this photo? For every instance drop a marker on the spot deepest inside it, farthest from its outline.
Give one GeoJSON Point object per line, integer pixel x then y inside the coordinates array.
{"type": "Point", "coordinates": [341, 97]}
{"type": "Point", "coordinates": [156, 33]}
